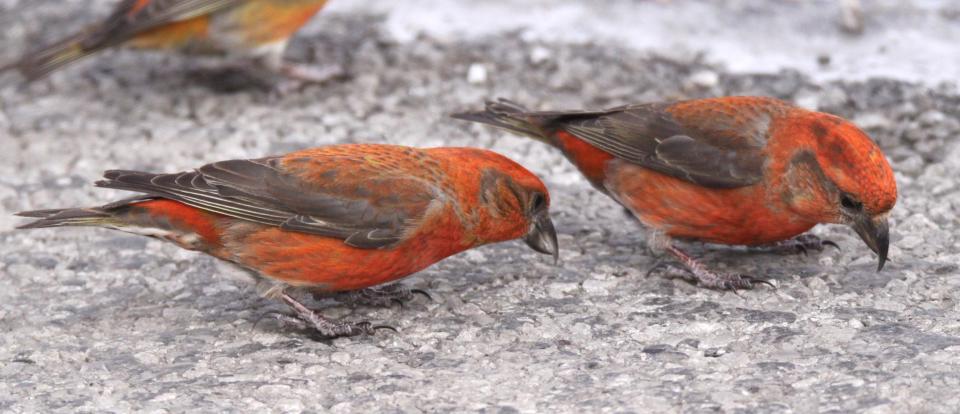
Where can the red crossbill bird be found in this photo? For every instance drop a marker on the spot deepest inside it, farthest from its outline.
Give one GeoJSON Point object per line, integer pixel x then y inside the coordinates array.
{"type": "Point", "coordinates": [330, 219]}
{"type": "Point", "coordinates": [257, 30]}
{"type": "Point", "coordinates": [734, 170]}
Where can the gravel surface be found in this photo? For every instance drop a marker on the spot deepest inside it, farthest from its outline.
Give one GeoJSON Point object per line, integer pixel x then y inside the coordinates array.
{"type": "Point", "coordinates": [101, 321]}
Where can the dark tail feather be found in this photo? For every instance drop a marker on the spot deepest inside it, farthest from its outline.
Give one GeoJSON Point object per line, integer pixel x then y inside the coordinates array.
{"type": "Point", "coordinates": [66, 217]}
{"type": "Point", "coordinates": [128, 180]}
{"type": "Point", "coordinates": [37, 64]}
{"type": "Point", "coordinates": [507, 115]}
{"type": "Point", "coordinates": [94, 216]}
{"type": "Point", "coordinates": [109, 214]}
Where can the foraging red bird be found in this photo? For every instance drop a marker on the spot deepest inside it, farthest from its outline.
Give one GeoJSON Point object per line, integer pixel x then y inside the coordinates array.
{"type": "Point", "coordinates": [251, 29]}
{"type": "Point", "coordinates": [330, 219]}
{"type": "Point", "coordinates": [733, 170]}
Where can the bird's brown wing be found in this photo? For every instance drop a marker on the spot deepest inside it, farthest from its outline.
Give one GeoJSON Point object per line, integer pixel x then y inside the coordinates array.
{"type": "Point", "coordinates": [131, 17]}
{"type": "Point", "coordinates": [713, 148]}
{"type": "Point", "coordinates": [353, 198]}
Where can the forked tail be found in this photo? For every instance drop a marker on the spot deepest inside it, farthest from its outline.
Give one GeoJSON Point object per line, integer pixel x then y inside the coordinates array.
{"type": "Point", "coordinates": [109, 215]}
{"type": "Point", "coordinates": [39, 63]}
{"type": "Point", "coordinates": [66, 217]}
{"type": "Point", "coordinates": [505, 114]}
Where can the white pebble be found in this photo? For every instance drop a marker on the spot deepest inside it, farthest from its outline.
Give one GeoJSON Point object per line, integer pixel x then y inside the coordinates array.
{"type": "Point", "coordinates": [705, 79]}
{"type": "Point", "coordinates": [477, 73]}
{"type": "Point", "coordinates": [539, 55]}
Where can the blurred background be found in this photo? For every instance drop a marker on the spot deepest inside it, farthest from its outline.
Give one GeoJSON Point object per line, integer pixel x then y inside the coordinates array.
{"type": "Point", "coordinates": [828, 39]}
{"type": "Point", "coordinates": [94, 320]}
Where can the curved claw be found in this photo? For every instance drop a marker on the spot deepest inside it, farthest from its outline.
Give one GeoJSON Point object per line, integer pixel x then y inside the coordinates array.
{"type": "Point", "coordinates": [756, 280]}
{"type": "Point", "coordinates": [398, 302]}
{"type": "Point", "coordinates": [657, 265]}
{"type": "Point", "coordinates": [422, 293]}
{"type": "Point", "coordinates": [374, 328]}
{"type": "Point", "coordinates": [831, 243]}
{"type": "Point", "coordinates": [802, 249]}
{"type": "Point", "coordinates": [369, 329]}
{"type": "Point", "coordinates": [262, 316]}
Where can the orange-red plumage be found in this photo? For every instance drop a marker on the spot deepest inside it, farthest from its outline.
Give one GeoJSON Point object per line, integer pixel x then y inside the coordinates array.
{"type": "Point", "coordinates": [204, 224]}
{"type": "Point", "coordinates": [591, 161]}
{"type": "Point", "coordinates": [733, 170]}
{"type": "Point", "coordinates": [254, 29]}
{"type": "Point", "coordinates": [336, 218]}
{"type": "Point", "coordinates": [136, 7]}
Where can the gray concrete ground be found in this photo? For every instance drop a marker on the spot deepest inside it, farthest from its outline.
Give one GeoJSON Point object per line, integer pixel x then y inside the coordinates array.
{"type": "Point", "coordinates": [100, 321]}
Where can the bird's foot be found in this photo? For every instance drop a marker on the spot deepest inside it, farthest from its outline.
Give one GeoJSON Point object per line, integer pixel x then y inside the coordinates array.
{"type": "Point", "coordinates": [311, 74]}
{"type": "Point", "coordinates": [803, 243]}
{"type": "Point", "coordinates": [725, 281]}
{"type": "Point", "coordinates": [307, 319]}
{"type": "Point", "coordinates": [699, 274]}
{"type": "Point", "coordinates": [326, 328]}
{"type": "Point", "coordinates": [383, 296]}
{"type": "Point", "coordinates": [294, 78]}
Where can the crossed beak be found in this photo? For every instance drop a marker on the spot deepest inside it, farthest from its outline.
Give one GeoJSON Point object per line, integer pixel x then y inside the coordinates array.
{"type": "Point", "coordinates": [876, 233]}
{"type": "Point", "coordinates": [542, 236]}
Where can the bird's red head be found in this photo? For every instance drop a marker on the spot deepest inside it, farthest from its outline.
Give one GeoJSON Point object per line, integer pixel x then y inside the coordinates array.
{"type": "Point", "coordinates": [854, 163]}
{"type": "Point", "coordinates": [512, 202]}
{"type": "Point", "coordinates": [837, 174]}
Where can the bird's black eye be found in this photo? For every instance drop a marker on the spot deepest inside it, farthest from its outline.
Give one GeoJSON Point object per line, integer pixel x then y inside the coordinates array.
{"type": "Point", "coordinates": [850, 203]}
{"type": "Point", "coordinates": [537, 202]}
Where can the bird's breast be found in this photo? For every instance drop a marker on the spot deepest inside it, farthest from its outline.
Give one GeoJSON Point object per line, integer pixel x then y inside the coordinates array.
{"type": "Point", "coordinates": [681, 209]}
{"type": "Point", "coordinates": [326, 263]}
{"type": "Point", "coordinates": [256, 24]}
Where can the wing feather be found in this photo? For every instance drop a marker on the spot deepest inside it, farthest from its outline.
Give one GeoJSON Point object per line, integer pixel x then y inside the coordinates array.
{"type": "Point", "coordinates": [649, 136]}
{"type": "Point", "coordinates": [131, 17]}
{"type": "Point", "coordinates": [363, 209]}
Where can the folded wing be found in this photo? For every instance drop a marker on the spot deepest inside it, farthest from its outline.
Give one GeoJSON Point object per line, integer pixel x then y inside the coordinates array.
{"type": "Point", "coordinates": [131, 17]}
{"type": "Point", "coordinates": [719, 153]}
{"type": "Point", "coordinates": [353, 199]}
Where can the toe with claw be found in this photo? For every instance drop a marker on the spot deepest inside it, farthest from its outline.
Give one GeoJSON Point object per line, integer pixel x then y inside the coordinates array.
{"type": "Point", "coordinates": [803, 243]}
{"type": "Point", "coordinates": [309, 319]}
{"type": "Point", "coordinates": [384, 296]}
{"type": "Point", "coordinates": [699, 274]}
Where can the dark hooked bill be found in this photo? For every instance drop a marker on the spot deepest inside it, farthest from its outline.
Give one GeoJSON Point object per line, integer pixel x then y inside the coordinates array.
{"type": "Point", "coordinates": [543, 236]}
{"type": "Point", "coordinates": [876, 233]}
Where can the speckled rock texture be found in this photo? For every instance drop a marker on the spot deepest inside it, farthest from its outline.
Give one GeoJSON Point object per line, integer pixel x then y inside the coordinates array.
{"type": "Point", "coordinates": [101, 321]}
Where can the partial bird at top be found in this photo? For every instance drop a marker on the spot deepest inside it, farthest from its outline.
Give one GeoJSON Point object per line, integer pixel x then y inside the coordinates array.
{"type": "Point", "coordinates": [256, 31]}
